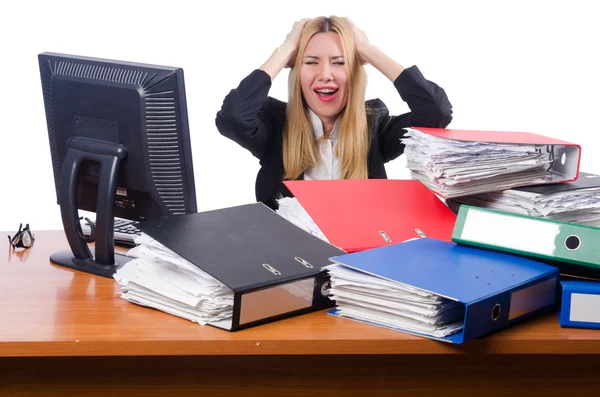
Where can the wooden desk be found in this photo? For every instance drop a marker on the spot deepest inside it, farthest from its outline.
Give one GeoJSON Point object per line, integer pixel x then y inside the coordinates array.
{"type": "Point", "coordinates": [66, 333]}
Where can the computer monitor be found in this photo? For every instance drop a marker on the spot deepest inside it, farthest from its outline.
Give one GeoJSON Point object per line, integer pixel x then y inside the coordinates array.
{"type": "Point", "coordinates": [120, 147]}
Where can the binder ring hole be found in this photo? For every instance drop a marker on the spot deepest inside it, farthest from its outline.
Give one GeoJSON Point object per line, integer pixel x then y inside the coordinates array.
{"type": "Point", "coordinates": [305, 263]}
{"type": "Point", "coordinates": [496, 312]}
{"type": "Point", "coordinates": [572, 243]}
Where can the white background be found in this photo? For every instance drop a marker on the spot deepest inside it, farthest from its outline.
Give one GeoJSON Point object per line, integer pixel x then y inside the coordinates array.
{"type": "Point", "coordinates": [516, 65]}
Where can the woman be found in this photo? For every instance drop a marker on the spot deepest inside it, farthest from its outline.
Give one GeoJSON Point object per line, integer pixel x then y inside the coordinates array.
{"type": "Point", "coordinates": [326, 130]}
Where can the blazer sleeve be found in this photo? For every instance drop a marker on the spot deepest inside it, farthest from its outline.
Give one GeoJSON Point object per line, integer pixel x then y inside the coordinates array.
{"type": "Point", "coordinates": [429, 107]}
{"type": "Point", "coordinates": [244, 116]}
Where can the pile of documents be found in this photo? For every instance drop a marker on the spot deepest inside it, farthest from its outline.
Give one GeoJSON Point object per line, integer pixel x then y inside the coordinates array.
{"type": "Point", "coordinates": [160, 279]}
{"type": "Point", "coordinates": [566, 207]}
{"type": "Point", "coordinates": [291, 209]}
{"type": "Point", "coordinates": [231, 268]}
{"type": "Point", "coordinates": [364, 297]}
{"type": "Point", "coordinates": [577, 202]}
{"type": "Point", "coordinates": [454, 168]}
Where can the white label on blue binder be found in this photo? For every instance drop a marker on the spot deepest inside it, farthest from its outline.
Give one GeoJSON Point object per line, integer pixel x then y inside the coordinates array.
{"type": "Point", "coordinates": [522, 234]}
{"type": "Point", "coordinates": [585, 308]}
{"type": "Point", "coordinates": [532, 298]}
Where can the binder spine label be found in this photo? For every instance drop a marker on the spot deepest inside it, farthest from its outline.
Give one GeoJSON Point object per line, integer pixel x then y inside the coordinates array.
{"type": "Point", "coordinates": [532, 298]}
{"type": "Point", "coordinates": [277, 300]}
{"type": "Point", "coordinates": [584, 308]}
{"type": "Point", "coordinates": [512, 232]}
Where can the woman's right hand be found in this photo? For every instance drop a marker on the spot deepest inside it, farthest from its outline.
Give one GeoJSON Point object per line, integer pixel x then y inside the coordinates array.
{"type": "Point", "coordinates": [285, 55]}
{"type": "Point", "coordinates": [292, 41]}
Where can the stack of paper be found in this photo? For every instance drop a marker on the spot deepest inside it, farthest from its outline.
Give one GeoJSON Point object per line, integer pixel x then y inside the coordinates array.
{"type": "Point", "coordinates": [576, 207]}
{"type": "Point", "coordinates": [577, 202]}
{"type": "Point", "coordinates": [163, 280]}
{"type": "Point", "coordinates": [454, 168]}
{"type": "Point", "coordinates": [291, 209]}
{"type": "Point", "coordinates": [364, 297]}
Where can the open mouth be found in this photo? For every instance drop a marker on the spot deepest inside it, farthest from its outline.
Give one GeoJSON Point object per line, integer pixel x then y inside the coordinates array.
{"type": "Point", "coordinates": [326, 94]}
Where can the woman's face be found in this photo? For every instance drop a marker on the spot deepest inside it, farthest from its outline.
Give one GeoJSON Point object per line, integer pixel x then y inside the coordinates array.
{"type": "Point", "coordinates": [323, 76]}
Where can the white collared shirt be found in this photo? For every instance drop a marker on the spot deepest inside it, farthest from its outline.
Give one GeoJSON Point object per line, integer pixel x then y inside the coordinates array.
{"type": "Point", "coordinates": [328, 166]}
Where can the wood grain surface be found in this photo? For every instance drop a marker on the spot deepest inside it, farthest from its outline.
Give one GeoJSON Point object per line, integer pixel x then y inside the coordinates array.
{"type": "Point", "coordinates": [47, 310]}
{"type": "Point", "coordinates": [65, 333]}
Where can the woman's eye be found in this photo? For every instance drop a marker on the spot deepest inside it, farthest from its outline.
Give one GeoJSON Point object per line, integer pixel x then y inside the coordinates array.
{"type": "Point", "coordinates": [310, 63]}
{"type": "Point", "coordinates": [338, 63]}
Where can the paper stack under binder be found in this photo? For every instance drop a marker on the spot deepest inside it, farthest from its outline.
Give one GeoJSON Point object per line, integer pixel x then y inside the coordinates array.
{"type": "Point", "coordinates": [363, 296]}
{"type": "Point", "coordinates": [577, 201]}
{"type": "Point", "coordinates": [455, 163]}
{"type": "Point", "coordinates": [161, 279]}
{"type": "Point", "coordinates": [231, 268]}
{"type": "Point", "coordinates": [440, 290]}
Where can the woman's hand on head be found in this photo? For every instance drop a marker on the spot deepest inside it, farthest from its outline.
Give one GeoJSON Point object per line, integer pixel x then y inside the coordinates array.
{"type": "Point", "coordinates": [292, 40]}
{"type": "Point", "coordinates": [360, 39]}
{"type": "Point", "coordinates": [285, 54]}
{"type": "Point", "coordinates": [368, 53]}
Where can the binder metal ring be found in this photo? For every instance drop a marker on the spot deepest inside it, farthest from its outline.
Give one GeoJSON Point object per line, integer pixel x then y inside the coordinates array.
{"type": "Point", "coordinates": [325, 288]}
{"type": "Point", "coordinates": [385, 236]}
{"type": "Point", "coordinates": [305, 263]}
{"type": "Point", "coordinates": [271, 269]}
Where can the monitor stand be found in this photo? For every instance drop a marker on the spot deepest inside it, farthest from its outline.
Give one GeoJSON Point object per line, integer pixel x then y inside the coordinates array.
{"type": "Point", "coordinates": [101, 261]}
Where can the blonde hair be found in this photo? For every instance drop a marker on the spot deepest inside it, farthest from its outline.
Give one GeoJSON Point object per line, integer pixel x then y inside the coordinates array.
{"type": "Point", "coordinates": [300, 151]}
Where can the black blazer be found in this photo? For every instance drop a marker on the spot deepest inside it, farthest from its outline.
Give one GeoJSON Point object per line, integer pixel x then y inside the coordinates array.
{"type": "Point", "coordinates": [255, 121]}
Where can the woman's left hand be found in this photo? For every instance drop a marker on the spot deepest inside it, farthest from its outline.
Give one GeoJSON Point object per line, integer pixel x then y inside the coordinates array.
{"type": "Point", "coordinates": [368, 53]}
{"type": "Point", "coordinates": [361, 40]}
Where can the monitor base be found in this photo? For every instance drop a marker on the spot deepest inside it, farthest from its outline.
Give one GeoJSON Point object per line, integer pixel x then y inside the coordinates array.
{"type": "Point", "coordinates": [108, 155]}
{"type": "Point", "coordinates": [66, 259]}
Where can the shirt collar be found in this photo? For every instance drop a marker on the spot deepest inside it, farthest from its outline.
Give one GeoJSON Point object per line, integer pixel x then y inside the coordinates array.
{"type": "Point", "coordinates": [317, 126]}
